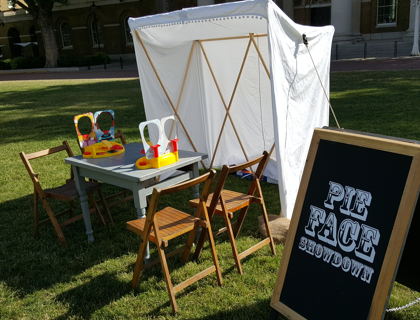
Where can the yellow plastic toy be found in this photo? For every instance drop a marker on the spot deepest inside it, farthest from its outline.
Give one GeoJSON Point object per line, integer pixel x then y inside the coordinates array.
{"type": "Point", "coordinates": [158, 162]}
{"type": "Point", "coordinates": [103, 149]}
{"type": "Point", "coordinates": [164, 153]}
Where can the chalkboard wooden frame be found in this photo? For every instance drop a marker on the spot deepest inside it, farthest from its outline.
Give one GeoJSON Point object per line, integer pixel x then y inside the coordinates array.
{"type": "Point", "coordinates": [400, 228]}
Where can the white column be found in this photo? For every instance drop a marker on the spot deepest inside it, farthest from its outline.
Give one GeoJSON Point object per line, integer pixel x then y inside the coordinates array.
{"type": "Point", "coordinates": [412, 17]}
{"type": "Point", "coordinates": [415, 51]}
{"type": "Point", "coordinates": [204, 2]}
{"type": "Point", "coordinates": [355, 16]}
{"type": "Point", "coordinates": [410, 31]}
{"type": "Point", "coordinates": [343, 12]}
{"type": "Point", "coordinates": [288, 8]}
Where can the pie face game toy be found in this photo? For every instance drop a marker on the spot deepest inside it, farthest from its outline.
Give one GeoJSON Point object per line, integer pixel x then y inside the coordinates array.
{"type": "Point", "coordinates": [103, 149]}
{"type": "Point", "coordinates": [165, 152]}
{"type": "Point", "coordinates": [97, 143]}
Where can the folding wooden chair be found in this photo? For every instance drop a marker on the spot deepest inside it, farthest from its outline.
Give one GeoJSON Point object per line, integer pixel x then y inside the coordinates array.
{"type": "Point", "coordinates": [170, 223]}
{"type": "Point", "coordinates": [124, 194]}
{"type": "Point", "coordinates": [119, 135]}
{"type": "Point", "coordinates": [66, 192]}
{"type": "Point", "coordinates": [225, 202]}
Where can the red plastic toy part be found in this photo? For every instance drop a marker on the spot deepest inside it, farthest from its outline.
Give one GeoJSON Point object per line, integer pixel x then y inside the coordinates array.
{"type": "Point", "coordinates": [174, 145]}
{"type": "Point", "coordinates": [155, 150]}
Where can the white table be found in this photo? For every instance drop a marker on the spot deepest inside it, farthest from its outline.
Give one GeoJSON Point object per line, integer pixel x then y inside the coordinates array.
{"type": "Point", "coordinates": [120, 170]}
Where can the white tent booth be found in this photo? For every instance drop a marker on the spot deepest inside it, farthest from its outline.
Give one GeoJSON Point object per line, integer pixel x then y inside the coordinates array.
{"type": "Point", "coordinates": [239, 80]}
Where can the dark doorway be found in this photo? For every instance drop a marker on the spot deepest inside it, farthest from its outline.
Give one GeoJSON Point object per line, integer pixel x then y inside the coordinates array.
{"type": "Point", "coordinates": [14, 37]}
{"type": "Point", "coordinates": [321, 16]}
{"type": "Point", "coordinates": [35, 50]}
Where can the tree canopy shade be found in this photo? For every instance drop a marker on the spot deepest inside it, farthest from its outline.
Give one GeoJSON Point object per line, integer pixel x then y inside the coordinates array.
{"type": "Point", "coordinates": [41, 10]}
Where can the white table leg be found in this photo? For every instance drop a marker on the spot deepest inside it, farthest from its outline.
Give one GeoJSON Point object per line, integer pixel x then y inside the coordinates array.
{"type": "Point", "coordinates": [81, 187]}
{"type": "Point", "coordinates": [195, 189]}
{"type": "Point", "coordinates": [140, 203]}
{"type": "Point", "coordinates": [196, 194]}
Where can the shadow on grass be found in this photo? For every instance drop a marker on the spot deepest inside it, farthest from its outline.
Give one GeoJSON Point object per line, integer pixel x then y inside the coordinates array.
{"type": "Point", "coordinates": [29, 264]}
{"type": "Point", "coordinates": [34, 112]}
{"type": "Point", "coordinates": [259, 310]}
{"type": "Point", "coordinates": [94, 294]}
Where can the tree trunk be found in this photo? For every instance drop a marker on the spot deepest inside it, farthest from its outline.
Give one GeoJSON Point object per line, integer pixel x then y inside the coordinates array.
{"type": "Point", "coordinates": [50, 44]}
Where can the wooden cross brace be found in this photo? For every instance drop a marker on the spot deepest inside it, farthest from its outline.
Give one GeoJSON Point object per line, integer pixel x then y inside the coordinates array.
{"type": "Point", "coordinates": [227, 108]}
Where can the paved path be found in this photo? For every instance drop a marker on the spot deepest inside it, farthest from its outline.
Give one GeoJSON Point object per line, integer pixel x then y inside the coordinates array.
{"type": "Point", "coordinates": [93, 74]}
{"type": "Point", "coordinates": [407, 63]}
{"type": "Point", "coordinates": [130, 71]}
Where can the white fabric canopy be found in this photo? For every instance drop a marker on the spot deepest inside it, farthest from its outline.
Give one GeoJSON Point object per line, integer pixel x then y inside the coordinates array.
{"type": "Point", "coordinates": [283, 107]}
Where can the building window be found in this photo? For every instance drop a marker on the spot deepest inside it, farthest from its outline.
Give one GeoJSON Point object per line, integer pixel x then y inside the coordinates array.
{"type": "Point", "coordinates": [65, 35]}
{"type": "Point", "coordinates": [128, 35]}
{"type": "Point", "coordinates": [387, 12]}
{"type": "Point", "coordinates": [96, 33]}
{"type": "Point", "coordinates": [321, 16]}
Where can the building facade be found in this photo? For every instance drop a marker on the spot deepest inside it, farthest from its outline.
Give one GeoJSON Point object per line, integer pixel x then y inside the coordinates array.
{"type": "Point", "coordinates": [85, 27]}
{"type": "Point", "coordinates": [81, 28]}
{"type": "Point", "coordinates": [356, 20]}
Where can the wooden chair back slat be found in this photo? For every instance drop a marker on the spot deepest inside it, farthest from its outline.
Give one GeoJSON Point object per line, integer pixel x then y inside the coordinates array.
{"type": "Point", "coordinates": [245, 165]}
{"type": "Point", "coordinates": [26, 157]}
{"type": "Point", "coordinates": [45, 152]}
{"type": "Point", "coordinates": [119, 135]}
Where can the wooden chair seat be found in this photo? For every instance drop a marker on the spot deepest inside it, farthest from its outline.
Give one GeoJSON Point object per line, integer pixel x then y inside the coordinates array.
{"type": "Point", "coordinates": [164, 225]}
{"type": "Point", "coordinates": [69, 191]}
{"type": "Point", "coordinates": [171, 222]}
{"type": "Point", "coordinates": [224, 202]}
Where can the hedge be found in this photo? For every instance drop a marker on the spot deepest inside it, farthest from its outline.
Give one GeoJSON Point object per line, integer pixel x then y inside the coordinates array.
{"type": "Point", "coordinates": [83, 61]}
{"type": "Point", "coordinates": [63, 61]}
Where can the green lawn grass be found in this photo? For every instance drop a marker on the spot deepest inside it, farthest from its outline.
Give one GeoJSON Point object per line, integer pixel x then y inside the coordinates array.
{"type": "Point", "coordinates": [39, 279]}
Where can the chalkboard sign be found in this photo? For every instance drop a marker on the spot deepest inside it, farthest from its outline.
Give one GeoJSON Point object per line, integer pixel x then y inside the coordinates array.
{"type": "Point", "coordinates": [349, 225]}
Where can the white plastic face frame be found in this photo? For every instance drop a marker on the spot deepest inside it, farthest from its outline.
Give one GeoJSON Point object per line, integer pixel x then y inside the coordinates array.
{"type": "Point", "coordinates": [163, 140]}
{"type": "Point", "coordinates": [98, 130]}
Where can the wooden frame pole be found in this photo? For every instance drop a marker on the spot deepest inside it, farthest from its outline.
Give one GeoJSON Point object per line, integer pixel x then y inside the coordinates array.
{"type": "Point", "coordinates": [251, 35]}
{"type": "Point", "coordinates": [180, 94]}
{"type": "Point", "coordinates": [167, 95]}
{"type": "Point", "coordinates": [234, 38]}
{"type": "Point", "coordinates": [183, 85]}
{"type": "Point", "coordinates": [227, 108]}
{"type": "Point", "coordinates": [223, 100]}
{"type": "Point", "coordinates": [230, 104]}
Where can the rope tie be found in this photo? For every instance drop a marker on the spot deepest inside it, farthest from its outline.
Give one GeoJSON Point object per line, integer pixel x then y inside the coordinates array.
{"type": "Point", "coordinates": [305, 41]}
